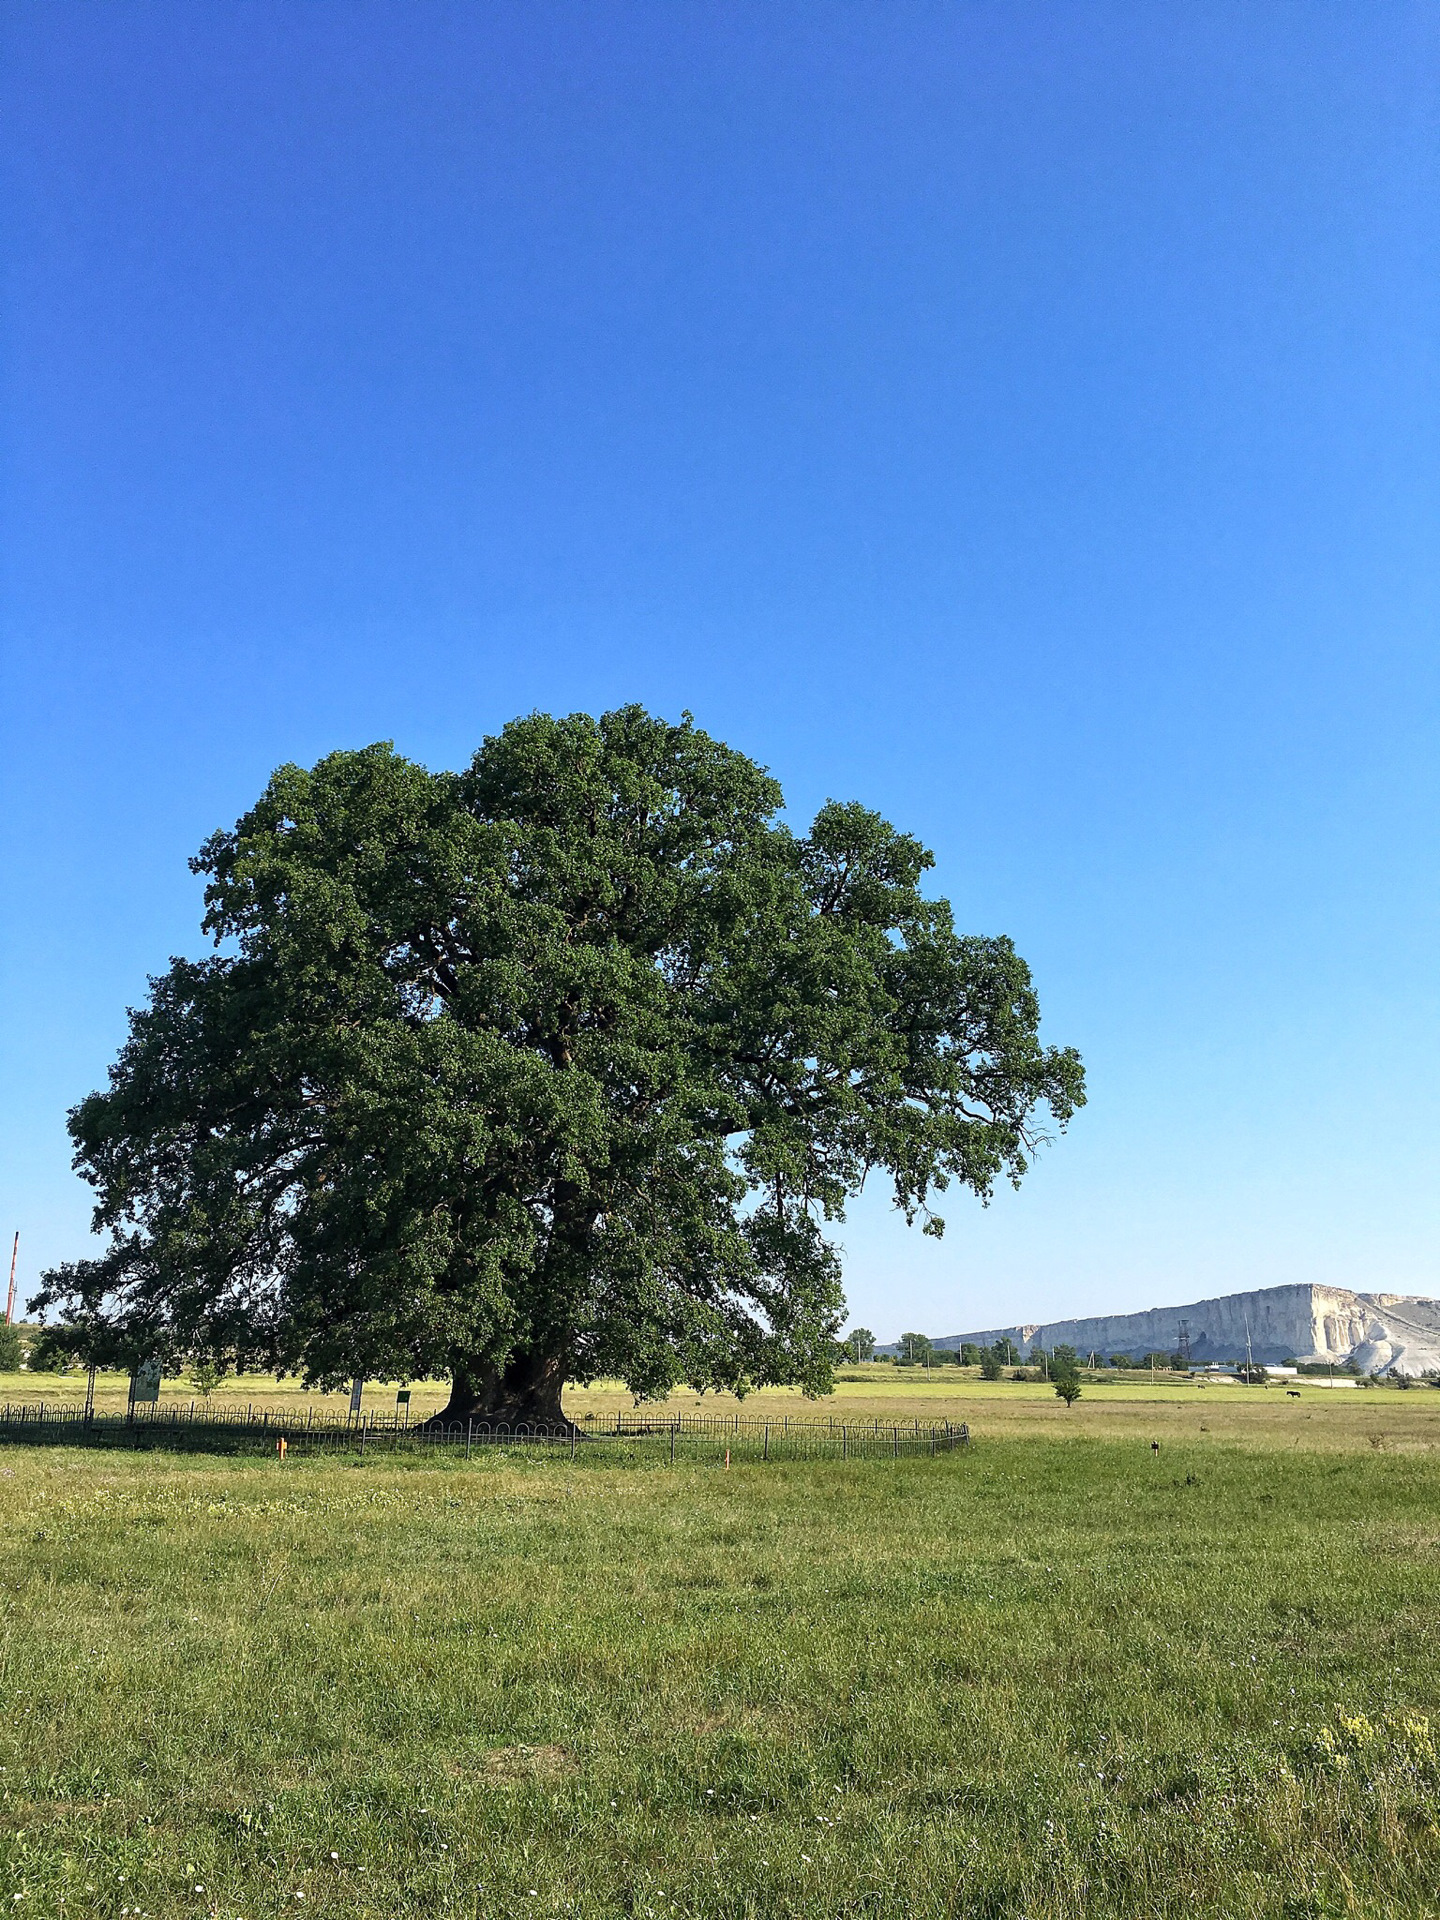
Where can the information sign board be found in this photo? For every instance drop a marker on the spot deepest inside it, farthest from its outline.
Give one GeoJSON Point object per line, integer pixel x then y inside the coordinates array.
{"type": "Point", "coordinates": [145, 1383]}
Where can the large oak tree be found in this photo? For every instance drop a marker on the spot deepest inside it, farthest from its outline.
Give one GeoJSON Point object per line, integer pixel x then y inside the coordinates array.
{"type": "Point", "coordinates": [555, 1068]}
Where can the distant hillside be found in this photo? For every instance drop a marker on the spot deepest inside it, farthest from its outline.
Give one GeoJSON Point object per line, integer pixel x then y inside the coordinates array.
{"type": "Point", "coordinates": [1378, 1332]}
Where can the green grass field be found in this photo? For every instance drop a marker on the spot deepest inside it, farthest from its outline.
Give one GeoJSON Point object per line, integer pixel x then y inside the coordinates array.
{"type": "Point", "coordinates": [1056, 1675]}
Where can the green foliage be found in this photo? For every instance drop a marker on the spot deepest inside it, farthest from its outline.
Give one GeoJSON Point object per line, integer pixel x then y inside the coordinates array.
{"type": "Point", "coordinates": [992, 1364]}
{"type": "Point", "coordinates": [1065, 1374]}
{"type": "Point", "coordinates": [206, 1375]}
{"type": "Point", "coordinates": [915, 1349]}
{"type": "Point", "coordinates": [49, 1352]}
{"type": "Point", "coordinates": [11, 1350]}
{"type": "Point", "coordinates": [859, 1344]}
{"type": "Point", "coordinates": [969, 1354]}
{"type": "Point", "coordinates": [558, 1067]}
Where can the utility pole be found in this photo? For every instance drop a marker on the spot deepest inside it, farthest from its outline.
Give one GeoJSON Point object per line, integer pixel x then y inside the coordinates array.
{"type": "Point", "coordinates": [10, 1301]}
{"type": "Point", "coordinates": [1183, 1344]}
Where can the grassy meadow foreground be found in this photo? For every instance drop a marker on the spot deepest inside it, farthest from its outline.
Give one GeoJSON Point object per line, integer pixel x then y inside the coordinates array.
{"type": "Point", "coordinates": [1055, 1676]}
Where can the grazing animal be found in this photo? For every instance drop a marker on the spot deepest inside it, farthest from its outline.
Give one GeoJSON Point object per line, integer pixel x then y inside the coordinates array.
{"type": "Point", "coordinates": [1292, 1393]}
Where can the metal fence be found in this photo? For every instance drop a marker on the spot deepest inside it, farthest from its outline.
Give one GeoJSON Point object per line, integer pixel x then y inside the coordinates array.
{"type": "Point", "coordinates": [679, 1436]}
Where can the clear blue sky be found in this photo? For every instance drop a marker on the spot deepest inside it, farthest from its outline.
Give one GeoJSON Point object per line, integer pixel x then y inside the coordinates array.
{"type": "Point", "coordinates": [1021, 418]}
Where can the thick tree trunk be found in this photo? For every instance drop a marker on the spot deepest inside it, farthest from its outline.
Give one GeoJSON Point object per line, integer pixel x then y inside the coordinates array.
{"type": "Point", "coordinates": [526, 1393]}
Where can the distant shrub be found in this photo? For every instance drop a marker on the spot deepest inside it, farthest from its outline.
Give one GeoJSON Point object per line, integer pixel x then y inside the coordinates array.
{"type": "Point", "coordinates": [11, 1351]}
{"type": "Point", "coordinates": [206, 1375]}
{"type": "Point", "coordinates": [1065, 1376]}
{"type": "Point", "coordinates": [47, 1355]}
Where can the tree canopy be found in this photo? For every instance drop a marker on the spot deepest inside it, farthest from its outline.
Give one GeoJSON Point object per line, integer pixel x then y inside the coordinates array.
{"type": "Point", "coordinates": [557, 1067]}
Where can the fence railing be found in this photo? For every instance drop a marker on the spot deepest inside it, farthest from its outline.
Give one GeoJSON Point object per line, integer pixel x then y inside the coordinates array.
{"type": "Point", "coordinates": [687, 1435]}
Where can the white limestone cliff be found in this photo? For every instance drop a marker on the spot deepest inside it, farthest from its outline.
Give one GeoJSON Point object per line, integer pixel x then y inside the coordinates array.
{"type": "Point", "coordinates": [1376, 1332]}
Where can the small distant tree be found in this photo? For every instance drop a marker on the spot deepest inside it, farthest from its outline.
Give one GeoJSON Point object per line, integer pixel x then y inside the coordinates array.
{"type": "Point", "coordinates": [860, 1344]}
{"type": "Point", "coordinates": [206, 1375]}
{"type": "Point", "coordinates": [1121, 1361]}
{"type": "Point", "coordinates": [11, 1351]}
{"type": "Point", "coordinates": [1065, 1376]}
{"type": "Point", "coordinates": [48, 1354]}
{"type": "Point", "coordinates": [991, 1365]}
{"type": "Point", "coordinates": [1252, 1373]}
{"type": "Point", "coordinates": [956, 1356]}
{"type": "Point", "coordinates": [915, 1349]}
{"type": "Point", "coordinates": [969, 1354]}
